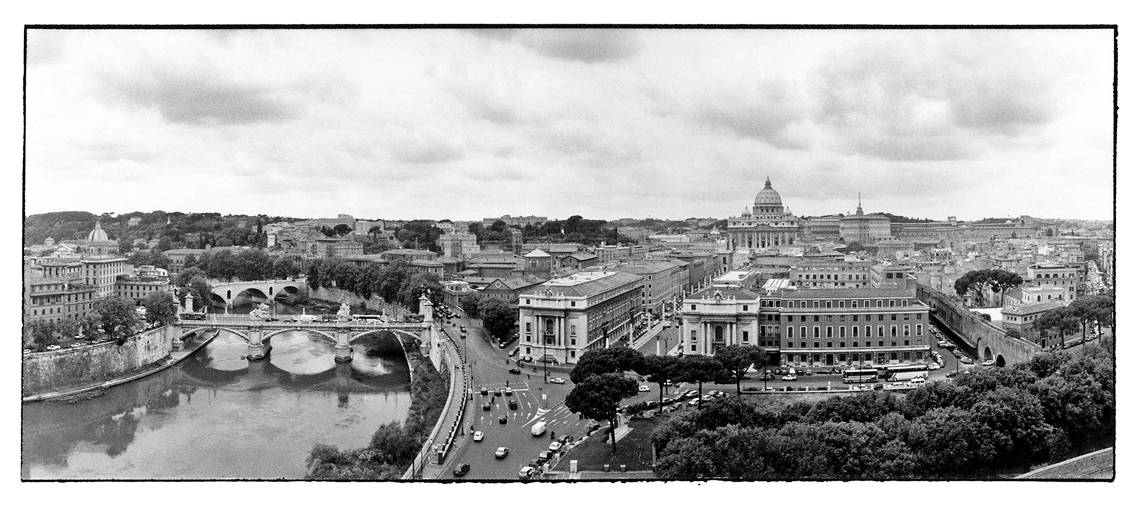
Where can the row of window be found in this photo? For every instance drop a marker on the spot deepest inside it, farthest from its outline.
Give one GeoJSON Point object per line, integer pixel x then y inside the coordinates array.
{"type": "Point", "coordinates": [854, 317]}
{"type": "Point", "coordinates": [827, 332]}
{"type": "Point", "coordinates": [827, 304]}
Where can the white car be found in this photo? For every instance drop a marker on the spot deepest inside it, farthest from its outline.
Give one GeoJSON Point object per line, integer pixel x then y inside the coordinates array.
{"type": "Point", "coordinates": [707, 397]}
{"type": "Point", "coordinates": [694, 402]}
{"type": "Point", "coordinates": [643, 388]}
{"type": "Point", "coordinates": [508, 391]}
{"type": "Point", "coordinates": [558, 381]}
{"type": "Point", "coordinates": [477, 436]}
{"type": "Point", "coordinates": [789, 377]}
{"type": "Point", "coordinates": [555, 446]}
{"type": "Point", "coordinates": [918, 381]}
{"type": "Point", "coordinates": [53, 347]}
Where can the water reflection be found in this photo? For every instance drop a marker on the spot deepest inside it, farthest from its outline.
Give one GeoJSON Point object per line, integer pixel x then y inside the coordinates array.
{"type": "Point", "coordinates": [216, 415]}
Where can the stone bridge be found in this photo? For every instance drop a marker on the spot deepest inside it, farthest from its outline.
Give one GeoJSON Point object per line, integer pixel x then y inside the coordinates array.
{"type": "Point", "coordinates": [265, 288]}
{"type": "Point", "coordinates": [257, 333]}
{"type": "Point", "coordinates": [988, 341]}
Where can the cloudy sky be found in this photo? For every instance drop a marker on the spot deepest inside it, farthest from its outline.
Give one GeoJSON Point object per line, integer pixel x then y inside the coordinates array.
{"type": "Point", "coordinates": [464, 124]}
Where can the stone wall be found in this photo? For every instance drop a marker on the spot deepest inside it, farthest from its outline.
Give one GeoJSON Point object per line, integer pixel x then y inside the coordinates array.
{"type": "Point", "coordinates": [71, 367]}
{"type": "Point", "coordinates": [374, 302]}
{"type": "Point", "coordinates": [979, 333]}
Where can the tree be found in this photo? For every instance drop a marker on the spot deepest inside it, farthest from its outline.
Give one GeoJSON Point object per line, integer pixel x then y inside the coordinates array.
{"type": "Point", "coordinates": [699, 369]}
{"type": "Point", "coordinates": [43, 333]}
{"type": "Point", "coordinates": [1002, 280]}
{"type": "Point", "coordinates": [660, 369]}
{"type": "Point", "coordinates": [618, 359]}
{"type": "Point", "coordinates": [973, 281]}
{"type": "Point", "coordinates": [499, 317]}
{"type": "Point", "coordinates": [160, 308]}
{"type": "Point", "coordinates": [341, 229]}
{"type": "Point", "coordinates": [117, 316]}
{"type": "Point", "coordinates": [469, 303]}
{"type": "Point", "coordinates": [598, 397]}
{"type": "Point", "coordinates": [736, 359]}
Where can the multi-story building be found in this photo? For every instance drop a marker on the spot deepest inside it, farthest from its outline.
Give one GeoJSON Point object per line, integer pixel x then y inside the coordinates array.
{"type": "Point", "coordinates": [1106, 253]}
{"type": "Point", "coordinates": [146, 280]}
{"type": "Point", "coordinates": [495, 265]}
{"type": "Point", "coordinates": [508, 289]}
{"type": "Point", "coordinates": [564, 317]}
{"type": "Point", "coordinates": [661, 282]}
{"type": "Point", "coordinates": [459, 244]}
{"type": "Point", "coordinates": [515, 221]}
{"type": "Point", "coordinates": [101, 272]}
{"type": "Point", "coordinates": [1022, 316]}
{"type": "Point", "coordinates": [408, 255]}
{"type": "Point", "coordinates": [827, 271]}
{"type": "Point", "coordinates": [810, 327]}
{"type": "Point", "coordinates": [338, 247]}
{"type": "Point", "coordinates": [864, 229]}
{"type": "Point", "coordinates": [56, 290]}
{"type": "Point", "coordinates": [768, 224]}
{"type": "Point", "coordinates": [1071, 277]}
{"type": "Point", "coordinates": [821, 228]}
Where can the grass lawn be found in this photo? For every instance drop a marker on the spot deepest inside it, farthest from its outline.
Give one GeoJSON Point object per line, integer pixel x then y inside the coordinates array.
{"type": "Point", "coordinates": [633, 450]}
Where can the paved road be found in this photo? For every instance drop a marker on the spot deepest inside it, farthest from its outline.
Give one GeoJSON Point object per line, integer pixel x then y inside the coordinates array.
{"type": "Point", "coordinates": [490, 369]}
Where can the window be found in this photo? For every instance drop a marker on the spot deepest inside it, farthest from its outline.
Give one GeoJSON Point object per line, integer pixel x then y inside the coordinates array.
{"type": "Point", "coordinates": [829, 304]}
{"type": "Point", "coordinates": [892, 304]}
{"type": "Point", "coordinates": [803, 332]}
{"type": "Point", "coordinates": [528, 326]}
{"type": "Point", "coordinates": [693, 347]}
{"type": "Point", "coordinates": [906, 330]}
{"type": "Point", "coordinates": [830, 344]}
{"type": "Point", "coordinates": [918, 329]}
{"type": "Point", "coordinates": [894, 330]}
{"type": "Point", "coordinates": [744, 336]}
{"type": "Point", "coordinates": [790, 334]}
{"type": "Point", "coordinates": [881, 331]}
{"type": "Point", "coordinates": [803, 344]}
{"type": "Point", "coordinates": [573, 329]}
{"type": "Point", "coordinates": [692, 335]}
{"type": "Point", "coordinates": [815, 318]}
{"type": "Point", "coordinates": [693, 306]}
{"type": "Point", "coordinates": [815, 332]}
{"type": "Point", "coordinates": [746, 308]}
{"type": "Point", "coordinates": [572, 354]}
{"type": "Point", "coordinates": [816, 344]}
{"type": "Point", "coordinates": [572, 303]}
{"type": "Point", "coordinates": [829, 331]}
{"type": "Point", "coordinates": [879, 303]}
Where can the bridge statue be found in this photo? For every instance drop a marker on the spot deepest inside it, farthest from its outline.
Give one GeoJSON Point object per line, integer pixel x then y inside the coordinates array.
{"type": "Point", "coordinates": [261, 312]}
{"type": "Point", "coordinates": [344, 313]}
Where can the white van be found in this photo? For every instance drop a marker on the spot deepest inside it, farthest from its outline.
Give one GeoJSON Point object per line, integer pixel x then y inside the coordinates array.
{"type": "Point", "coordinates": [538, 429]}
{"type": "Point", "coordinates": [920, 380]}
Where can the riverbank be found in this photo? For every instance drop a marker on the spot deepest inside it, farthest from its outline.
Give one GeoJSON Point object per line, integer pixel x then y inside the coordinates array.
{"type": "Point", "coordinates": [92, 389]}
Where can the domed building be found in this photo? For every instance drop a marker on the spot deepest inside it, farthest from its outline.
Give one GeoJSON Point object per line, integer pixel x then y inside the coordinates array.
{"type": "Point", "coordinates": [96, 243]}
{"type": "Point", "coordinates": [767, 224]}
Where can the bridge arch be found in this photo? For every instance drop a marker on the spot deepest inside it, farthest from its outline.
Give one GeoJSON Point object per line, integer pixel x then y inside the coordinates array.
{"type": "Point", "coordinates": [988, 354]}
{"type": "Point", "coordinates": [1000, 361]}
{"type": "Point", "coordinates": [242, 336]}
{"type": "Point", "coordinates": [251, 291]}
{"type": "Point", "coordinates": [331, 338]}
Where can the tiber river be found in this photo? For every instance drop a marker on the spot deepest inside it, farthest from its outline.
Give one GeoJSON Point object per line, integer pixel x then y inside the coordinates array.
{"type": "Point", "coordinates": [217, 416]}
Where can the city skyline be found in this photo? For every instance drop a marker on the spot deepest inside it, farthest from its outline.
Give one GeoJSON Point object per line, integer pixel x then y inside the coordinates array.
{"type": "Point", "coordinates": [625, 123]}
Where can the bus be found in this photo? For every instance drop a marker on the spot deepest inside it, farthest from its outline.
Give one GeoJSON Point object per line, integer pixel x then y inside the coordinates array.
{"type": "Point", "coordinates": [860, 376]}
{"type": "Point", "coordinates": [363, 317]}
{"type": "Point", "coordinates": [887, 371]}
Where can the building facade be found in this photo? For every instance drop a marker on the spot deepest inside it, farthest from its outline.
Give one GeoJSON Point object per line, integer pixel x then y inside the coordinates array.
{"type": "Point", "coordinates": [768, 224]}
{"type": "Point", "coordinates": [565, 317]}
{"type": "Point", "coordinates": [864, 229]}
{"type": "Point", "coordinates": [55, 290]}
{"type": "Point", "coordinates": [102, 272]}
{"type": "Point", "coordinates": [810, 327]}
{"type": "Point", "coordinates": [1070, 277]}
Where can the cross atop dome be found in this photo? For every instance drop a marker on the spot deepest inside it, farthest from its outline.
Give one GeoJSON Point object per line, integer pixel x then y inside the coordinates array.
{"type": "Point", "coordinates": [768, 183]}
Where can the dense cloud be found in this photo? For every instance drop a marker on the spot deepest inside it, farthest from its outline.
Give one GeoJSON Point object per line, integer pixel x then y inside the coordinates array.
{"type": "Point", "coordinates": [605, 123]}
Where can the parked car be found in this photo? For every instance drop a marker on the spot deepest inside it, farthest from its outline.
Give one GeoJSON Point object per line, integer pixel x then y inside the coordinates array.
{"type": "Point", "coordinates": [477, 436]}
{"type": "Point", "coordinates": [501, 452]}
{"type": "Point", "coordinates": [918, 380]}
{"type": "Point", "coordinates": [503, 419]}
{"type": "Point", "coordinates": [689, 394]}
{"type": "Point", "coordinates": [707, 397]}
{"type": "Point", "coordinates": [53, 347]}
{"type": "Point", "coordinates": [558, 381]}
{"type": "Point", "coordinates": [483, 391]}
{"type": "Point", "coordinates": [643, 388]}
{"type": "Point", "coordinates": [526, 473]}
{"type": "Point", "coordinates": [514, 371]}
{"type": "Point", "coordinates": [694, 402]}
{"type": "Point", "coordinates": [788, 377]}
{"type": "Point", "coordinates": [486, 406]}
{"type": "Point", "coordinates": [499, 392]}
{"type": "Point", "coordinates": [966, 360]}
{"type": "Point", "coordinates": [808, 372]}
{"type": "Point", "coordinates": [988, 363]}
{"type": "Point", "coordinates": [555, 446]}
{"type": "Point", "coordinates": [544, 456]}
{"type": "Point", "coordinates": [508, 391]}
{"type": "Point", "coordinates": [513, 404]}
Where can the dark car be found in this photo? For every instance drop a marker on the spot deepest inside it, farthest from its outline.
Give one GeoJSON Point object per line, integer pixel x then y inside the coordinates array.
{"type": "Point", "coordinates": [499, 392]}
{"type": "Point", "coordinates": [544, 456]}
{"type": "Point", "coordinates": [514, 370]}
{"type": "Point", "coordinates": [513, 404]}
{"type": "Point", "coordinates": [461, 469]}
{"type": "Point", "coordinates": [503, 419]}
{"type": "Point", "coordinates": [483, 391]}
{"type": "Point", "coordinates": [486, 406]}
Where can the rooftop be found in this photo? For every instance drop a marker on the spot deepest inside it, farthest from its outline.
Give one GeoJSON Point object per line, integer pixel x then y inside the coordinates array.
{"type": "Point", "coordinates": [585, 284]}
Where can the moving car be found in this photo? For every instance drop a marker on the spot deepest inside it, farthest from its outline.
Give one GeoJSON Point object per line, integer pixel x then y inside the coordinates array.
{"type": "Point", "coordinates": [503, 419]}
{"type": "Point", "coordinates": [643, 388]}
{"type": "Point", "coordinates": [988, 363]}
{"type": "Point", "coordinates": [508, 391]}
{"type": "Point", "coordinates": [499, 392]}
{"type": "Point", "coordinates": [478, 436]}
{"type": "Point", "coordinates": [526, 473]}
{"type": "Point", "coordinates": [501, 452]}
{"type": "Point", "coordinates": [514, 371]}
{"type": "Point", "coordinates": [966, 360]}
{"type": "Point", "coordinates": [555, 446]}
{"type": "Point", "coordinates": [707, 397]}
{"type": "Point", "coordinates": [483, 391]}
{"type": "Point", "coordinates": [486, 406]}
{"type": "Point", "coordinates": [689, 394]}
{"type": "Point", "coordinates": [558, 381]}
{"type": "Point", "coordinates": [53, 347]}
{"type": "Point", "coordinates": [694, 402]}
{"type": "Point", "coordinates": [538, 429]}
{"type": "Point", "coordinates": [461, 469]}
{"type": "Point", "coordinates": [788, 377]}
{"type": "Point", "coordinates": [918, 381]}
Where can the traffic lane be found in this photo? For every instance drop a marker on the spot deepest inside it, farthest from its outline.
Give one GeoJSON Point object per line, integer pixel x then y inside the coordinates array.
{"type": "Point", "coordinates": [515, 434]}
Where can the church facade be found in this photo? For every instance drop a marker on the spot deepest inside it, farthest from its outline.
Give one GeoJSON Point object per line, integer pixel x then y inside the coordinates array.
{"type": "Point", "coordinates": [768, 224]}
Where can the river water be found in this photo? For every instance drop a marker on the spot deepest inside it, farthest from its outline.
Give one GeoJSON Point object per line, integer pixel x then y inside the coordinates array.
{"type": "Point", "coordinates": [217, 416]}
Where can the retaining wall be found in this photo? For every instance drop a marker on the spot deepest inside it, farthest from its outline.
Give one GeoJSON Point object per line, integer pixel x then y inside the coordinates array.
{"type": "Point", "coordinates": [56, 370]}
{"type": "Point", "coordinates": [977, 332]}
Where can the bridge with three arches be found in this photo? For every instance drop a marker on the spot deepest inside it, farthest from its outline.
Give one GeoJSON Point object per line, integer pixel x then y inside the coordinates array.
{"type": "Point", "coordinates": [266, 289]}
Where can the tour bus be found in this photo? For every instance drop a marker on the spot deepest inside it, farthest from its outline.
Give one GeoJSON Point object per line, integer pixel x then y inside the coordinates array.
{"type": "Point", "coordinates": [907, 376]}
{"type": "Point", "coordinates": [193, 316]}
{"type": "Point", "coordinates": [887, 371]}
{"type": "Point", "coordinates": [367, 317]}
{"type": "Point", "coordinates": [860, 376]}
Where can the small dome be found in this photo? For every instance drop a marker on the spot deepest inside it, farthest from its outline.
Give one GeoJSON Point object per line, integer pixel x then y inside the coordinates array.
{"type": "Point", "coordinates": [768, 196]}
{"type": "Point", "coordinates": [97, 234]}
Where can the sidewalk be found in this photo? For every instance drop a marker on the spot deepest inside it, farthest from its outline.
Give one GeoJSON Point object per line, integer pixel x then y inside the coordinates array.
{"type": "Point", "coordinates": [450, 421]}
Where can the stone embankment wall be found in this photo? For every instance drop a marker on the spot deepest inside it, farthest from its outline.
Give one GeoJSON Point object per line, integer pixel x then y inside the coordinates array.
{"type": "Point", "coordinates": [975, 330]}
{"type": "Point", "coordinates": [374, 302]}
{"type": "Point", "coordinates": [57, 370]}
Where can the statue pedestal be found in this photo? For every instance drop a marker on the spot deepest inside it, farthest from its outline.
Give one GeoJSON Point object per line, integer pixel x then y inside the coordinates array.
{"type": "Point", "coordinates": [176, 344]}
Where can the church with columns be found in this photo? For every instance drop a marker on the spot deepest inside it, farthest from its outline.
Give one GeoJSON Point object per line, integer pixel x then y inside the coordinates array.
{"type": "Point", "coordinates": [768, 224]}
